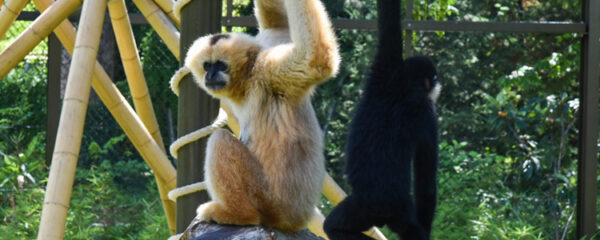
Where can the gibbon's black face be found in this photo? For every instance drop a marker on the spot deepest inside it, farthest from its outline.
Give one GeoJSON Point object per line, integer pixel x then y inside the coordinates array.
{"type": "Point", "coordinates": [216, 76]}
{"type": "Point", "coordinates": [421, 72]}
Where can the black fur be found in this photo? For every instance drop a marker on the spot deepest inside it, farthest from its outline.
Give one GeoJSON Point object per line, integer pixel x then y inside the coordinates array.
{"type": "Point", "coordinates": [395, 125]}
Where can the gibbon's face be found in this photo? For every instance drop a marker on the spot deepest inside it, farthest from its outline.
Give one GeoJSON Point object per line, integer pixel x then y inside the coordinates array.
{"type": "Point", "coordinates": [422, 71]}
{"type": "Point", "coordinates": [222, 64]}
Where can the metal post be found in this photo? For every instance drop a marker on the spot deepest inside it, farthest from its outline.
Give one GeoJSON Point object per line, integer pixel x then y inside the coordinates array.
{"type": "Point", "coordinates": [196, 108]}
{"type": "Point", "coordinates": [588, 135]}
{"type": "Point", "coordinates": [408, 47]}
{"type": "Point", "coordinates": [229, 13]}
{"type": "Point", "coordinates": [52, 93]}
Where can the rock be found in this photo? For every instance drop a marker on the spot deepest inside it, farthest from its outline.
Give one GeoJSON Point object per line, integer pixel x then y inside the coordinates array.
{"type": "Point", "coordinates": [211, 231]}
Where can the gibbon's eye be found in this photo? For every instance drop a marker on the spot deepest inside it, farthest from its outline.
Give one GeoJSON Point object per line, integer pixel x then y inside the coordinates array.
{"type": "Point", "coordinates": [221, 66]}
{"type": "Point", "coordinates": [218, 65]}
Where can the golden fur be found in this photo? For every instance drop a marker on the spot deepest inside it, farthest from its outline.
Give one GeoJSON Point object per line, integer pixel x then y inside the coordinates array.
{"type": "Point", "coordinates": [273, 175]}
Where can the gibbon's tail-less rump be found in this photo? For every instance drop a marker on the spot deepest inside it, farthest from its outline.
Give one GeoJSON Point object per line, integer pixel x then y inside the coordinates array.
{"type": "Point", "coordinates": [394, 127]}
{"type": "Point", "coordinates": [273, 174]}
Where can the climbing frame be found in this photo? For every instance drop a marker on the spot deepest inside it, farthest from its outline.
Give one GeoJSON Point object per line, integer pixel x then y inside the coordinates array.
{"type": "Point", "coordinates": [139, 125]}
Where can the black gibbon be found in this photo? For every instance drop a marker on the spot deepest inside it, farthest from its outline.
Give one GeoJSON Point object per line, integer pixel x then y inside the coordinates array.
{"type": "Point", "coordinates": [395, 124]}
{"type": "Point", "coordinates": [273, 174]}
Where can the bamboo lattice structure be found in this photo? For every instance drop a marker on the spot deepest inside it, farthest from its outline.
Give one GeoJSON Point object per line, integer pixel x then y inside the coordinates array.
{"type": "Point", "coordinates": [142, 130]}
{"type": "Point", "coordinates": [72, 118]}
{"type": "Point", "coordinates": [133, 67]}
{"type": "Point", "coordinates": [161, 24]}
{"type": "Point", "coordinates": [127, 119]}
{"type": "Point", "coordinates": [138, 87]}
{"type": "Point", "coordinates": [167, 7]}
{"type": "Point", "coordinates": [34, 34]}
{"type": "Point", "coordinates": [9, 14]}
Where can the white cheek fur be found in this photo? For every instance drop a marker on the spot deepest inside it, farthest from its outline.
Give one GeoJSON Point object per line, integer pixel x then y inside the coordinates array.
{"type": "Point", "coordinates": [435, 92]}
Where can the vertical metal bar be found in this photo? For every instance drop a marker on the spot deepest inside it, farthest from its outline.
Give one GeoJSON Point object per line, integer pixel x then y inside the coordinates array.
{"type": "Point", "coordinates": [52, 93]}
{"type": "Point", "coordinates": [408, 47]}
{"type": "Point", "coordinates": [588, 135]}
{"type": "Point", "coordinates": [196, 108]}
{"type": "Point", "coordinates": [229, 13]}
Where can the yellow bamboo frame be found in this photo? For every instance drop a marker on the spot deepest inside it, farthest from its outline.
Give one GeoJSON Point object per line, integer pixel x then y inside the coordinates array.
{"type": "Point", "coordinates": [34, 34]}
{"type": "Point", "coordinates": [117, 104]}
{"type": "Point", "coordinates": [161, 24]}
{"type": "Point", "coordinates": [72, 118]}
{"type": "Point", "coordinates": [10, 12]}
{"type": "Point", "coordinates": [167, 7]}
{"type": "Point", "coordinates": [137, 84]}
{"type": "Point", "coordinates": [133, 68]}
{"type": "Point", "coordinates": [127, 119]}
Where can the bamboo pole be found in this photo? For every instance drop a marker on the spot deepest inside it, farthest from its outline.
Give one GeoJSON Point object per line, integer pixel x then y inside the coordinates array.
{"type": "Point", "coordinates": [134, 128]}
{"type": "Point", "coordinates": [127, 119]}
{"type": "Point", "coordinates": [161, 24]}
{"type": "Point", "coordinates": [10, 12]}
{"type": "Point", "coordinates": [133, 68]}
{"type": "Point", "coordinates": [316, 224]}
{"type": "Point", "coordinates": [167, 7]}
{"type": "Point", "coordinates": [34, 34]}
{"type": "Point", "coordinates": [333, 192]}
{"type": "Point", "coordinates": [72, 118]}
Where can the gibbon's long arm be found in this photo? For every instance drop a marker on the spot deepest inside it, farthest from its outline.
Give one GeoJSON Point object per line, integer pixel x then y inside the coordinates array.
{"type": "Point", "coordinates": [389, 55]}
{"type": "Point", "coordinates": [313, 55]}
{"type": "Point", "coordinates": [425, 185]}
{"type": "Point", "coordinates": [270, 14]}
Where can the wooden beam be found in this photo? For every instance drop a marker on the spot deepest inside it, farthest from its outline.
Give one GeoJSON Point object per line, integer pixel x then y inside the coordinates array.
{"type": "Point", "coordinates": [196, 108]}
{"type": "Point", "coordinates": [587, 187]}
{"type": "Point", "coordinates": [54, 66]}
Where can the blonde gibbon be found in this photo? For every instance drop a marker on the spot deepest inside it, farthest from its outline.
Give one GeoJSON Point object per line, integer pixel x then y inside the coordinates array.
{"type": "Point", "coordinates": [272, 175]}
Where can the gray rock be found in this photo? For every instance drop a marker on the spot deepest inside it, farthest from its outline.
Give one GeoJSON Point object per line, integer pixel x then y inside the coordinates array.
{"type": "Point", "coordinates": [211, 231]}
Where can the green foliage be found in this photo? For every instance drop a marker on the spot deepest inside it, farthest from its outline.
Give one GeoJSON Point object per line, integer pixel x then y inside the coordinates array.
{"type": "Point", "coordinates": [507, 117]}
{"type": "Point", "coordinates": [508, 120]}
{"type": "Point", "coordinates": [159, 65]}
{"type": "Point", "coordinates": [109, 200]}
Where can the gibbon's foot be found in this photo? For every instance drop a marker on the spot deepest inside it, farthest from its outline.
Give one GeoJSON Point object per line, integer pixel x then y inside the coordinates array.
{"type": "Point", "coordinates": [213, 211]}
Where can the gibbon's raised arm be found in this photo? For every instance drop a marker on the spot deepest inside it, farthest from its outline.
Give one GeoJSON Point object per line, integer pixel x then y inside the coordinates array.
{"type": "Point", "coordinates": [311, 58]}
{"type": "Point", "coordinates": [389, 28]}
{"type": "Point", "coordinates": [390, 38]}
{"type": "Point", "coordinates": [270, 14]}
{"type": "Point", "coordinates": [315, 45]}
